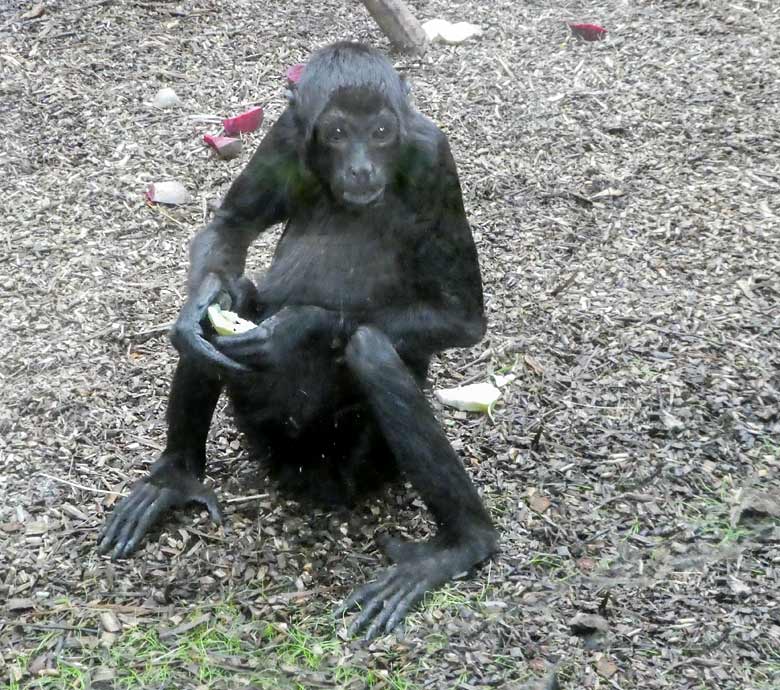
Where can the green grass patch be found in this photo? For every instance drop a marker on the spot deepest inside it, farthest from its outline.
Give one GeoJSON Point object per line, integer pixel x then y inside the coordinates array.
{"type": "Point", "coordinates": [227, 649]}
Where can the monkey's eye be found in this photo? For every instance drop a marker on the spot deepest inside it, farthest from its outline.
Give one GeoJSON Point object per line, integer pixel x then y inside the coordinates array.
{"type": "Point", "coordinates": [335, 135]}
{"type": "Point", "coordinates": [382, 133]}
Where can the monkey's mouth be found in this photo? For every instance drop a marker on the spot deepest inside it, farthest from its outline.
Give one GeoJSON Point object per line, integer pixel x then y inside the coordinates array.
{"type": "Point", "coordinates": [363, 198]}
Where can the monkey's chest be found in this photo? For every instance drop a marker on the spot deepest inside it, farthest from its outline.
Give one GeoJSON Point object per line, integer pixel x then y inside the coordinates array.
{"type": "Point", "coordinates": [346, 269]}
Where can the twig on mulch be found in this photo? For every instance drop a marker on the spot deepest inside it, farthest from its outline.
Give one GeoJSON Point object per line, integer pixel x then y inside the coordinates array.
{"type": "Point", "coordinates": [91, 489]}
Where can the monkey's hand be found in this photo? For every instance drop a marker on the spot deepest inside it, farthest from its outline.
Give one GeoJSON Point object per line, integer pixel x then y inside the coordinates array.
{"type": "Point", "coordinates": [167, 487]}
{"type": "Point", "coordinates": [291, 329]}
{"type": "Point", "coordinates": [188, 336]}
{"type": "Point", "coordinates": [420, 567]}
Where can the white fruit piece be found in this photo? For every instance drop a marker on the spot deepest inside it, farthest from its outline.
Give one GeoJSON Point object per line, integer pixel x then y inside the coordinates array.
{"type": "Point", "coordinates": [478, 397]}
{"type": "Point", "coordinates": [166, 98]}
{"type": "Point", "coordinates": [171, 192]}
{"type": "Point", "coordinates": [228, 322]}
{"type": "Point", "coordinates": [442, 30]}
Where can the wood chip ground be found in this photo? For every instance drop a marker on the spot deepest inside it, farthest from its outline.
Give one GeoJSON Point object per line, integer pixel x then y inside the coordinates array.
{"type": "Point", "coordinates": [625, 198]}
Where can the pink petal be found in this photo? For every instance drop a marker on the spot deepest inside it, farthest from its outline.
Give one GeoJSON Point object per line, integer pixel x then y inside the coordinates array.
{"type": "Point", "coordinates": [245, 122]}
{"type": "Point", "coordinates": [226, 147]}
{"type": "Point", "coordinates": [588, 32]}
{"type": "Point", "coordinates": [294, 73]}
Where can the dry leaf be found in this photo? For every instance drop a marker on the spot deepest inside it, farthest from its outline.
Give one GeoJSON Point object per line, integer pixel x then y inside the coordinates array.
{"type": "Point", "coordinates": [539, 503]}
{"type": "Point", "coordinates": [103, 674]}
{"type": "Point", "coordinates": [38, 664]}
{"type": "Point", "coordinates": [36, 529]}
{"type": "Point", "coordinates": [605, 668]}
{"type": "Point", "coordinates": [533, 364]}
{"type": "Point", "coordinates": [34, 12]}
{"type": "Point", "coordinates": [72, 511]}
{"type": "Point", "coordinates": [20, 604]}
{"type": "Point", "coordinates": [588, 623]}
{"type": "Point", "coordinates": [609, 193]}
{"type": "Point", "coordinates": [756, 504]}
{"type": "Point", "coordinates": [110, 622]}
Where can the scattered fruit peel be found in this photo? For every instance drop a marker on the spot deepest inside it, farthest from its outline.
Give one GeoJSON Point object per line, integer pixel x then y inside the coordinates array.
{"type": "Point", "coordinates": [442, 30]}
{"type": "Point", "coordinates": [245, 122]}
{"type": "Point", "coordinates": [477, 397]}
{"type": "Point", "coordinates": [228, 322]}
{"type": "Point", "coordinates": [588, 32]}
{"type": "Point", "coordinates": [171, 192]}
{"type": "Point", "coordinates": [226, 147]}
{"type": "Point", "coordinates": [502, 380]}
{"type": "Point", "coordinates": [165, 98]}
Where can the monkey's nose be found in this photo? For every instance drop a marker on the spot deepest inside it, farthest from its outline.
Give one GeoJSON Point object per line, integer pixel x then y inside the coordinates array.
{"type": "Point", "coordinates": [360, 174]}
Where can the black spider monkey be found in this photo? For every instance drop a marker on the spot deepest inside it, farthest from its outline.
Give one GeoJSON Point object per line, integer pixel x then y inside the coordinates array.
{"type": "Point", "coordinates": [375, 272]}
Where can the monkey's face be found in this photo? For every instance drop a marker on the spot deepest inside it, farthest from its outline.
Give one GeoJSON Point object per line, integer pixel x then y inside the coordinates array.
{"type": "Point", "coordinates": [355, 150]}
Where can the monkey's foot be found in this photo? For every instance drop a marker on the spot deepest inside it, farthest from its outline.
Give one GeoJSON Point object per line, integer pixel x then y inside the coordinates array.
{"type": "Point", "coordinates": [420, 568]}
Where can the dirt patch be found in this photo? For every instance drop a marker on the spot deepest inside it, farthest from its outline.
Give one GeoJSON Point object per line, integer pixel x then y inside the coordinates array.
{"type": "Point", "coordinates": [625, 197]}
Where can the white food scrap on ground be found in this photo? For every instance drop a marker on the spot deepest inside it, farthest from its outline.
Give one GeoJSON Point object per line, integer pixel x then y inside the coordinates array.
{"type": "Point", "coordinates": [166, 98]}
{"type": "Point", "coordinates": [442, 30]}
{"type": "Point", "coordinates": [476, 397]}
{"type": "Point", "coordinates": [169, 192]}
{"type": "Point", "coordinates": [225, 147]}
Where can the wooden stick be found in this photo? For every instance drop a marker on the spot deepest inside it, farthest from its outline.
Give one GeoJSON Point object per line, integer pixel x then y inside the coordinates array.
{"type": "Point", "coordinates": [398, 24]}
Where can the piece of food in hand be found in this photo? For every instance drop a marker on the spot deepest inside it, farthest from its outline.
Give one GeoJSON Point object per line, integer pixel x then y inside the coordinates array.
{"type": "Point", "coordinates": [228, 322]}
{"type": "Point", "coordinates": [478, 397]}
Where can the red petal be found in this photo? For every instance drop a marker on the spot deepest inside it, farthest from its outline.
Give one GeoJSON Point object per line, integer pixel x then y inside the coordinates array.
{"type": "Point", "coordinates": [294, 73]}
{"type": "Point", "coordinates": [245, 122]}
{"type": "Point", "coordinates": [588, 32]}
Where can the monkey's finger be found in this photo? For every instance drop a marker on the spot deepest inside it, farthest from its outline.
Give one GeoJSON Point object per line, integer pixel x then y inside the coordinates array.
{"type": "Point", "coordinates": [114, 524]}
{"type": "Point", "coordinates": [405, 604]}
{"type": "Point", "coordinates": [149, 517]}
{"type": "Point", "coordinates": [370, 608]}
{"type": "Point", "coordinates": [131, 520]}
{"type": "Point", "coordinates": [388, 608]}
{"type": "Point", "coordinates": [254, 350]}
{"type": "Point", "coordinates": [209, 290]}
{"type": "Point", "coordinates": [209, 499]}
{"type": "Point", "coordinates": [378, 600]}
{"type": "Point", "coordinates": [361, 594]}
{"type": "Point", "coordinates": [207, 353]}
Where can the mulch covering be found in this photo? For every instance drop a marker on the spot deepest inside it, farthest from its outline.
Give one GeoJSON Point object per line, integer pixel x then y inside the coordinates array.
{"type": "Point", "coordinates": [625, 198]}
